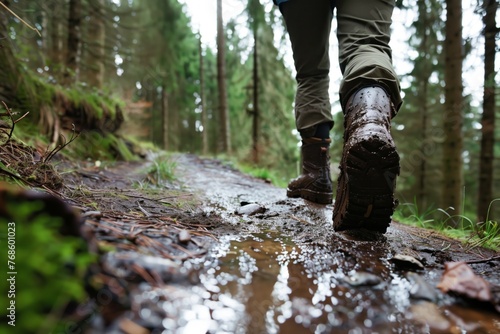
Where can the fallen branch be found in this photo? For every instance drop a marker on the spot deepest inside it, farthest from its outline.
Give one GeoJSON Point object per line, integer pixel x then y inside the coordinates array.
{"type": "Point", "coordinates": [494, 258]}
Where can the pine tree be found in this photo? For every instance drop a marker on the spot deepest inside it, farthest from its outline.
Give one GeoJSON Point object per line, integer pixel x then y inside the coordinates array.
{"type": "Point", "coordinates": [224, 136]}
{"type": "Point", "coordinates": [486, 159]}
{"type": "Point", "coordinates": [452, 189]}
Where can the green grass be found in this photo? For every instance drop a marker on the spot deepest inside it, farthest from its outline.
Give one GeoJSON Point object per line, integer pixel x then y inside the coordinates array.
{"type": "Point", "coordinates": [162, 169]}
{"type": "Point", "coordinates": [458, 227]}
{"type": "Point", "coordinates": [264, 174]}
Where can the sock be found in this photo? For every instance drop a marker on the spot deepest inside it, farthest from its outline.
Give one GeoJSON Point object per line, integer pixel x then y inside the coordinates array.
{"type": "Point", "coordinates": [322, 131]}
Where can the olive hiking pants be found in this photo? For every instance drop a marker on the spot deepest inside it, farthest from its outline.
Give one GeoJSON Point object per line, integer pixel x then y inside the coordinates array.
{"type": "Point", "coordinates": [363, 33]}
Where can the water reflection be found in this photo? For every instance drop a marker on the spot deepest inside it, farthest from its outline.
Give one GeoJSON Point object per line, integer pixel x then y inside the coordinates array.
{"type": "Point", "coordinates": [265, 283]}
{"type": "Point", "coordinates": [286, 289]}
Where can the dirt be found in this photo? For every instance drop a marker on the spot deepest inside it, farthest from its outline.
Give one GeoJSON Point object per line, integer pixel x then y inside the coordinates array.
{"type": "Point", "coordinates": [217, 251]}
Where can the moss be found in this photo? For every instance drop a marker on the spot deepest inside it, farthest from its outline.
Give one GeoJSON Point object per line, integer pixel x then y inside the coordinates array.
{"type": "Point", "coordinates": [96, 146]}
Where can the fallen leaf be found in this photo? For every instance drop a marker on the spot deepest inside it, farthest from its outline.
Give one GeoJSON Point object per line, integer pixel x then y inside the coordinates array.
{"type": "Point", "coordinates": [431, 316]}
{"type": "Point", "coordinates": [458, 277]}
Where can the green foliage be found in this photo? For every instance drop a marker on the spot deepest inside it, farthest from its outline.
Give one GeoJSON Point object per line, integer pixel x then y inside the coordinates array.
{"type": "Point", "coordinates": [96, 146]}
{"type": "Point", "coordinates": [265, 174]}
{"type": "Point", "coordinates": [485, 234]}
{"type": "Point", "coordinates": [93, 102]}
{"type": "Point", "coordinates": [49, 267]}
{"type": "Point", "coordinates": [162, 169]}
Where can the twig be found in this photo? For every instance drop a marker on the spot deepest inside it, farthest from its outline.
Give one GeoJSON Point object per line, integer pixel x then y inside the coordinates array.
{"type": "Point", "coordinates": [147, 214]}
{"type": "Point", "coordinates": [20, 118]}
{"type": "Point", "coordinates": [20, 19]}
{"type": "Point", "coordinates": [300, 220]}
{"type": "Point", "coordinates": [145, 275]}
{"type": "Point", "coordinates": [191, 255]}
{"type": "Point", "coordinates": [484, 260]}
{"type": "Point", "coordinates": [65, 143]}
{"type": "Point", "coordinates": [9, 114]}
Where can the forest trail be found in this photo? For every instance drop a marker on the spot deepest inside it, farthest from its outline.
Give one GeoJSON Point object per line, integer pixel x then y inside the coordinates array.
{"type": "Point", "coordinates": [221, 252]}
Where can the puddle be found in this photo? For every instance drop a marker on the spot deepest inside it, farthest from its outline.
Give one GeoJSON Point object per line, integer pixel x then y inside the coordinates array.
{"type": "Point", "coordinates": [284, 289]}
{"type": "Point", "coordinates": [265, 283]}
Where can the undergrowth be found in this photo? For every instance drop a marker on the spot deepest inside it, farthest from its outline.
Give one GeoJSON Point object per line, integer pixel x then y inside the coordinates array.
{"type": "Point", "coordinates": [161, 170]}
{"type": "Point", "coordinates": [485, 234]}
{"type": "Point", "coordinates": [264, 174]}
{"type": "Point", "coordinates": [46, 268]}
{"type": "Point", "coordinates": [89, 144]}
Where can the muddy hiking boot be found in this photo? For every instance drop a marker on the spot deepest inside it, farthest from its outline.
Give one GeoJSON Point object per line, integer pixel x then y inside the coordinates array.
{"type": "Point", "coordinates": [369, 165]}
{"type": "Point", "coordinates": [315, 183]}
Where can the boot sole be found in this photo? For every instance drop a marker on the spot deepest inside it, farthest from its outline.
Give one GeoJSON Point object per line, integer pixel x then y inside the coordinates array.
{"type": "Point", "coordinates": [365, 194]}
{"type": "Point", "coordinates": [313, 196]}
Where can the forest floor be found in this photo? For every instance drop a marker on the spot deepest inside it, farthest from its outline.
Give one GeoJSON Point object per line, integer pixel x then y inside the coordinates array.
{"type": "Point", "coordinates": [217, 251]}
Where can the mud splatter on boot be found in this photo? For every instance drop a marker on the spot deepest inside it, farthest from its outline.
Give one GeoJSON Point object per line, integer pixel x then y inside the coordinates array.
{"type": "Point", "coordinates": [315, 183]}
{"type": "Point", "coordinates": [369, 165]}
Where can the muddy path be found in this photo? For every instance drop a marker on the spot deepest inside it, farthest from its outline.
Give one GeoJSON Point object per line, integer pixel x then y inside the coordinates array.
{"type": "Point", "coordinates": [221, 252]}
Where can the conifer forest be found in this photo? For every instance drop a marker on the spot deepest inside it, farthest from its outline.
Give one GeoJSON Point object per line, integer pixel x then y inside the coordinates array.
{"type": "Point", "coordinates": [145, 151]}
{"type": "Point", "coordinates": [146, 69]}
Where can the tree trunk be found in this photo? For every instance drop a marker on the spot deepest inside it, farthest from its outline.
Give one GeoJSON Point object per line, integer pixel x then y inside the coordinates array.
{"type": "Point", "coordinates": [59, 48]}
{"type": "Point", "coordinates": [165, 118]}
{"type": "Point", "coordinates": [204, 123]}
{"type": "Point", "coordinates": [423, 77]}
{"type": "Point", "coordinates": [486, 155]}
{"type": "Point", "coordinates": [422, 194]}
{"type": "Point", "coordinates": [453, 116]}
{"type": "Point", "coordinates": [224, 139]}
{"type": "Point", "coordinates": [73, 53]}
{"type": "Point", "coordinates": [96, 43]}
{"type": "Point", "coordinates": [255, 132]}
{"type": "Point", "coordinates": [53, 20]}
{"type": "Point", "coordinates": [10, 70]}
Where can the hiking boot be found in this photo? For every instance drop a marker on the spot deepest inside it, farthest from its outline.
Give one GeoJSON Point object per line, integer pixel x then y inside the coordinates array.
{"type": "Point", "coordinates": [369, 165]}
{"type": "Point", "coordinates": [315, 183]}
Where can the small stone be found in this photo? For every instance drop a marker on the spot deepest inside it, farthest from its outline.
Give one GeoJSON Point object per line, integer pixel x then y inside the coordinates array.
{"type": "Point", "coordinates": [420, 288]}
{"type": "Point", "coordinates": [406, 262]}
{"type": "Point", "coordinates": [362, 279]}
{"type": "Point", "coordinates": [250, 209]}
{"type": "Point", "coordinates": [184, 236]}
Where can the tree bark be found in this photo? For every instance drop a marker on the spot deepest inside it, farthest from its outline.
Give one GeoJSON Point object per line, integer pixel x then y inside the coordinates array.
{"type": "Point", "coordinates": [423, 77]}
{"type": "Point", "coordinates": [486, 156]}
{"type": "Point", "coordinates": [73, 53]}
{"type": "Point", "coordinates": [224, 133]}
{"type": "Point", "coordinates": [165, 118]}
{"type": "Point", "coordinates": [453, 115]}
{"type": "Point", "coordinates": [204, 123]}
{"type": "Point", "coordinates": [96, 43]}
{"type": "Point", "coordinates": [57, 42]}
{"type": "Point", "coordinates": [255, 130]}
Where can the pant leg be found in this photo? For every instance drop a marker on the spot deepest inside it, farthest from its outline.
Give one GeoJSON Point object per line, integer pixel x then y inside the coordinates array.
{"type": "Point", "coordinates": [365, 56]}
{"type": "Point", "coordinates": [309, 24]}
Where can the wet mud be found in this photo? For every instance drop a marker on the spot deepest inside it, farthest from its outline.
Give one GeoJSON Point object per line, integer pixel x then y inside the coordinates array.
{"type": "Point", "coordinates": [275, 265]}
